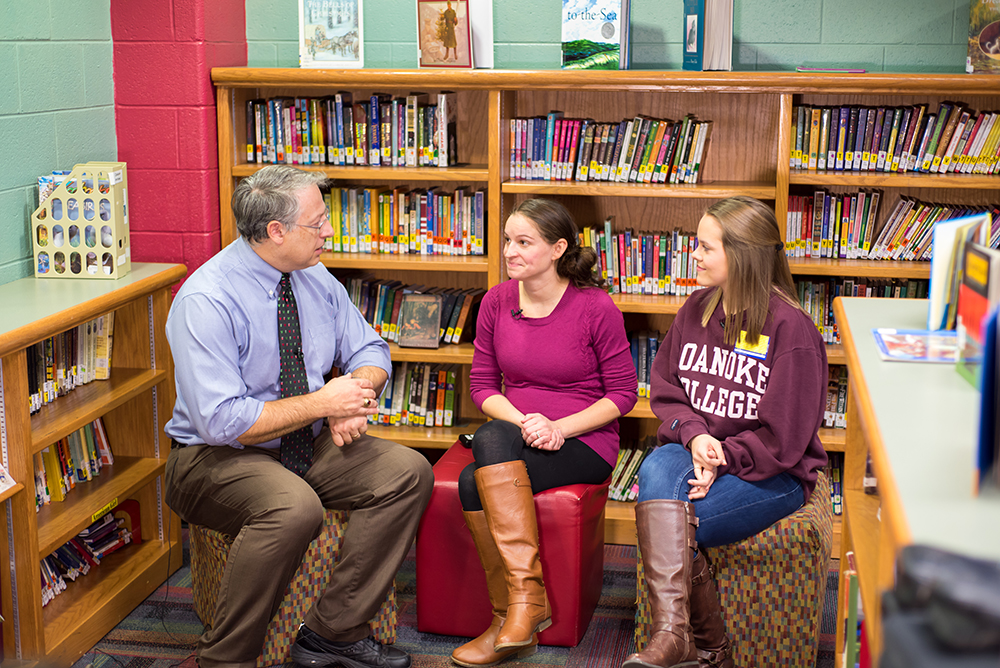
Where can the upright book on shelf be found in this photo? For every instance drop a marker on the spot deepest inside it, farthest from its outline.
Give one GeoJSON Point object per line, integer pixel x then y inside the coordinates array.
{"type": "Point", "coordinates": [708, 35]}
{"type": "Point", "coordinates": [595, 35]}
{"type": "Point", "coordinates": [978, 295]}
{"type": "Point", "coordinates": [950, 237]}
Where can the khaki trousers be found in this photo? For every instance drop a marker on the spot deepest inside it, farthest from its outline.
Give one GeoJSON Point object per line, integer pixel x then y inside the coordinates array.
{"type": "Point", "coordinates": [274, 514]}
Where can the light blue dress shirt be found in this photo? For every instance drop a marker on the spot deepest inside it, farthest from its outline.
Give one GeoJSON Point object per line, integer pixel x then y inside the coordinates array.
{"type": "Point", "coordinates": [223, 333]}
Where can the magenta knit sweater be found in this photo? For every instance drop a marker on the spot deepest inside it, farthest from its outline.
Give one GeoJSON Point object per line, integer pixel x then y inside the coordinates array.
{"type": "Point", "coordinates": [557, 365]}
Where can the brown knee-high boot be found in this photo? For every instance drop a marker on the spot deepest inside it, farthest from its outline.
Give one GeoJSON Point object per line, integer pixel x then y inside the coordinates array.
{"type": "Point", "coordinates": [505, 492]}
{"type": "Point", "coordinates": [706, 618]}
{"type": "Point", "coordinates": [479, 652]}
{"type": "Point", "coordinates": [666, 539]}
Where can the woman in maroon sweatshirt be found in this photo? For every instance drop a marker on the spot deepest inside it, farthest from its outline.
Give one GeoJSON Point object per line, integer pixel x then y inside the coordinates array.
{"type": "Point", "coordinates": [740, 386]}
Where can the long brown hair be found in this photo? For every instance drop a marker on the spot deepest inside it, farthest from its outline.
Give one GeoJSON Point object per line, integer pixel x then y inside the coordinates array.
{"type": "Point", "coordinates": [755, 265]}
{"type": "Point", "coordinates": [554, 222]}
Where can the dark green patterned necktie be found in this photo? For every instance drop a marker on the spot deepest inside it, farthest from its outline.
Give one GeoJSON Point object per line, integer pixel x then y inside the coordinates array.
{"type": "Point", "coordinates": [296, 447]}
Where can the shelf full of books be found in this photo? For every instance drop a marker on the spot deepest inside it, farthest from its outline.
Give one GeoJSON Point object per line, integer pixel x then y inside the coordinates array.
{"type": "Point", "coordinates": [918, 138]}
{"type": "Point", "coordinates": [525, 134]}
{"type": "Point", "coordinates": [842, 225]}
{"type": "Point", "coordinates": [400, 221]}
{"type": "Point", "coordinates": [92, 450]}
{"type": "Point", "coordinates": [378, 131]}
{"type": "Point", "coordinates": [637, 150]}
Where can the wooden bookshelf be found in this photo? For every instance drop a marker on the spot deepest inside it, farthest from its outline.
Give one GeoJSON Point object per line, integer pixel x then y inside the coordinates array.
{"type": "Point", "coordinates": [900, 414]}
{"type": "Point", "coordinates": [135, 404]}
{"type": "Point", "coordinates": [749, 154]}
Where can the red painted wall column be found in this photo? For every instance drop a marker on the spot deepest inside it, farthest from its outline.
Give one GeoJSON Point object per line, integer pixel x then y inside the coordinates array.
{"type": "Point", "coordinates": [165, 118]}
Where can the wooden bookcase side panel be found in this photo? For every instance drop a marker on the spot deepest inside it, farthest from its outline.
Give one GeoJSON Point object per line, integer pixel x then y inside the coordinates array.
{"type": "Point", "coordinates": [730, 157]}
{"type": "Point", "coordinates": [20, 516]}
{"type": "Point", "coordinates": [130, 392]}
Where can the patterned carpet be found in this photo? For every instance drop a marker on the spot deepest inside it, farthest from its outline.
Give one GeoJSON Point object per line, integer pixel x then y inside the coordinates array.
{"type": "Point", "coordinates": [162, 631]}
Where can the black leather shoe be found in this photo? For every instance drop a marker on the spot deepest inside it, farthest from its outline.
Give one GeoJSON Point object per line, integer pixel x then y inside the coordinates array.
{"type": "Point", "coordinates": [313, 650]}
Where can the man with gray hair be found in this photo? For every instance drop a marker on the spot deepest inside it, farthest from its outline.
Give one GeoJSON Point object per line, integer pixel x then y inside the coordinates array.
{"type": "Point", "coordinates": [262, 443]}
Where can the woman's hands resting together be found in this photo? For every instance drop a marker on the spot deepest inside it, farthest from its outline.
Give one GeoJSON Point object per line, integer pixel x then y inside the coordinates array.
{"type": "Point", "coordinates": [708, 455]}
{"type": "Point", "coordinates": [540, 432]}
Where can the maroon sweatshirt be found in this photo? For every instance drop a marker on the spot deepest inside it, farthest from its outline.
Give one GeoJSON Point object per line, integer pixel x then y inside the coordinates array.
{"type": "Point", "coordinates": [765, 402]}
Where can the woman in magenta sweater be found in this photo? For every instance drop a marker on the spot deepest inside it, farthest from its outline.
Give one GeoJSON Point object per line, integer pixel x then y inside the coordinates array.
{"type": "Point", "coordinates": [740, 385]}
{"type": "Point", "coordinates": [552, 368]}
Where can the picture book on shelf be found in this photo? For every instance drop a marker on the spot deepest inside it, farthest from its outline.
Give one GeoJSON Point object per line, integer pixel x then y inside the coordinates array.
{"type": "Point", "coordinates": [984, 37]}
{"type": "Point", "coordinates": [420, 321]}
{"type": "Point", "coordinates": [916, 345]}
{"type": "Point", "coordinates": [595, 34]}
{"type": "Point", "coordinates": [950, 237]}
{"type": "Point", "coordinates": [978, 295]}
{"type": "Point", "coordinates": [331, 34]}
{"type": "Point", "coordinates": [444, 36]}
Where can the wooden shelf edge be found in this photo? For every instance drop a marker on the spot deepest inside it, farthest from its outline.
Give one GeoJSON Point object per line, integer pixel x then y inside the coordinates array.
{"type": "Point", "coordinates": [863, 268]}
{"type": "Point", "coordinates": [711, 190]}
{"type": "Point", "coordinates": [85, 404]}
{"type": "Point", "coordinates": [619, 523]}
{"type": "Point", "coordinates": [893, 180]}
{"type": "Point", "coordinates": [862, 522]}
{"type": "Point", "coordinates": [457, 173]}
{"type": "Point", "coordinates": [431, 438]}
{"type": "Point", "coordinates": [834, 440]}
{"type": "Point", "coordinates": [476, 264]}
{"type": "Point", "coordinates": [448, 353]}
{"type": "Point", "coordinates": [80, 616]}
{"type": "Point", "coordinates": [60, 521]}
{"type": "Point", "coordinates": [641, 409]}
{"type": "Point", "coordinates": [870, 83]}
{"type": "Point", "coordinates": [667, 304]}
{"type": "Point", "coordinates": [835, 354]}
{"type": "Point", "coordinates": [11, 491]}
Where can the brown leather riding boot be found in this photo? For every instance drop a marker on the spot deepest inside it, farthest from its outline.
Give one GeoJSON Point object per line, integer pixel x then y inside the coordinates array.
{"type": "Point", "coordinates": [506, 494]}
{"type": "Point", "coordinates": [714, 647]}
{"type": "Point", "coordinates": [479, 653]}
{"type": "Point", "coordinates": [665, 528]}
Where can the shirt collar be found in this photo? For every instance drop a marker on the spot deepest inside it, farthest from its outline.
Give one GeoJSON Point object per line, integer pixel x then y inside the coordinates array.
{"type": "Point", "coordinates": [266, 276]}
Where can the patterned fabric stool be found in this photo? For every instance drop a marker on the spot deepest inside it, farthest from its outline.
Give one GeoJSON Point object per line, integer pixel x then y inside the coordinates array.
{"type": "Point", "coordinates": [772, 587]}
{"type": "Point", "coordinates": [209, 550]}
{"type": "Point", "coordinates": [451, 585]}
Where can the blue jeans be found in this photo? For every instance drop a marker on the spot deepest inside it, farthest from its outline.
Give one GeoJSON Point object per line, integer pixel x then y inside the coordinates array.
{"type": "Point", "coordinates": [733, 509]}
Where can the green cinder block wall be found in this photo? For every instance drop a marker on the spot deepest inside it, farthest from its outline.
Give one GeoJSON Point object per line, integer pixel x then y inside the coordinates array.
{"type": "Point", "coordinates": [56, 106]}
{"type": "Point", "coordinates": [57, 87]}
{"type": "Point", "coordinates": [769, 35]}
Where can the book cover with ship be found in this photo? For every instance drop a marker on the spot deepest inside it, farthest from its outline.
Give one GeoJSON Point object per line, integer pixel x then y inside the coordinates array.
{"type": "Point", "coordinates": [595, 34]}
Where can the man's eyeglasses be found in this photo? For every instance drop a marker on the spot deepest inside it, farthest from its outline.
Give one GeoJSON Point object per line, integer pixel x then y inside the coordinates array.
{"type": "Point", "coordinates": [317, 227]}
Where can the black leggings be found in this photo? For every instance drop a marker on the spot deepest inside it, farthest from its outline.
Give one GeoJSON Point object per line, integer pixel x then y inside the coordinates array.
{"type": "Point", "coordinates": [498, 441]}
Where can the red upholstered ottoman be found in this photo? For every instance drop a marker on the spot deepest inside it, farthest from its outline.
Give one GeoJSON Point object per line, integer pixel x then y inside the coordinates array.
{"type": "Point", "coordinates": [451, 585]}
